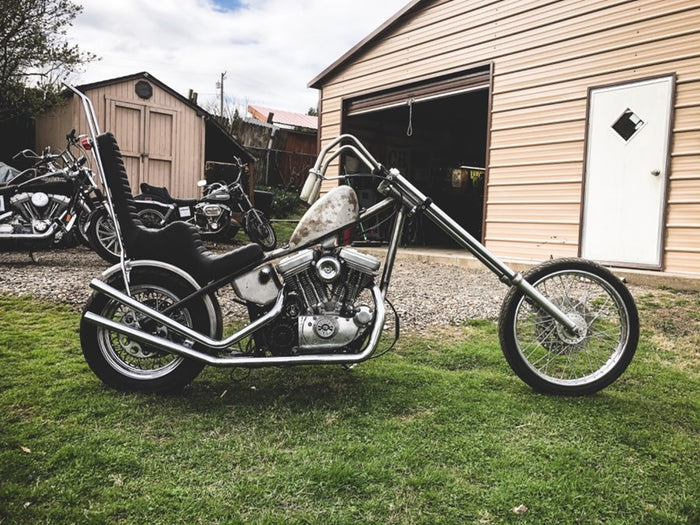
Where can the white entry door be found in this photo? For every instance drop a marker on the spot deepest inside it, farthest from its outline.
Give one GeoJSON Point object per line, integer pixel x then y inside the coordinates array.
{"type": "Point", "coordinates": [626, 164]}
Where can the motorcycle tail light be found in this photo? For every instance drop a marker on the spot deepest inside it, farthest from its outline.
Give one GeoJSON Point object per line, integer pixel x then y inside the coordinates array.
{"type": "Point", "coordinates": [87, 145]}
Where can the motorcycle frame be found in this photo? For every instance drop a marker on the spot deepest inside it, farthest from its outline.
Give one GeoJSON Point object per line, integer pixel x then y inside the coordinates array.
{"type": "Point", "coordinates": [400, 195]}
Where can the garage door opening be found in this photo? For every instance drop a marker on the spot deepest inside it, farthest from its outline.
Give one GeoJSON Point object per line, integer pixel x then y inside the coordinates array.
{"type": "Point", "coordinates": [438, 142]}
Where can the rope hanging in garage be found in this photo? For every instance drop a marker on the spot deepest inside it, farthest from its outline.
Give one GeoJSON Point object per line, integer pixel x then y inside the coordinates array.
{"type": "Point", "coordinates": [409, 130]}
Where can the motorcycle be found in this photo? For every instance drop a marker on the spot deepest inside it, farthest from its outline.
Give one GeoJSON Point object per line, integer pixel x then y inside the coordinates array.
{"type": "Point", "coordinates": [213, 214]}
{"type": "Point", "coordinates": [567, 326]}
{"type": "Point", "coordinates": [42, 205]}
{"type": "Point", "coordinates": [102, 234]}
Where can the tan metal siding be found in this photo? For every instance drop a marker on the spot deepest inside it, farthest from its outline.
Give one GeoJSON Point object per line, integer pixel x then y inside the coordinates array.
{"type": "Point", "coordinates": [545, 56]}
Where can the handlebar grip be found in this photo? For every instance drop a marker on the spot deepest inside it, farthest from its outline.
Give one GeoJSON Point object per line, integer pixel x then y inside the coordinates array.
{"type": "Point", "coordinates": [315, 191]}
{"type": "Point", "coordinates": [308, 186]}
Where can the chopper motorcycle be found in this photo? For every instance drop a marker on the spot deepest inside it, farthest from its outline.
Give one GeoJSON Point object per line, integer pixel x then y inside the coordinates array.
{"type": "Point", "coordinates": [42, 205]}
{"type": "Point", "coordinates": [567, 326]}
{"type": "Point", "coordinates": [213, 214]}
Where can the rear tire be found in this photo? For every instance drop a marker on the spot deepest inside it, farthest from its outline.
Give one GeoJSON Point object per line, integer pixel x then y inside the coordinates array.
{"type": "Point", "coordinates": [547, 356]}
{"type": "Point", "coordinates": [151, 217]}
{"type": "Point", "coordinates": [132, 366]}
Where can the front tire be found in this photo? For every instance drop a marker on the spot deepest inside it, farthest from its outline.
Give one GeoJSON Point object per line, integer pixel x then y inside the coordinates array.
{"type": "Point", "coordinates": [548, 357]}
{"type": "Point", "coordinates": [132, 366]}
{"type": "Point", "coordinates": [103, 236]}
{"type": "Point", "coordinates": [259, 229]}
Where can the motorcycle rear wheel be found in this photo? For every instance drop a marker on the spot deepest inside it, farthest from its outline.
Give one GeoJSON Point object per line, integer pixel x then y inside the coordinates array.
{"type": "Point", "coordinates": [547, 356]}
{"type": "Point", "coordinates": [132, 366]}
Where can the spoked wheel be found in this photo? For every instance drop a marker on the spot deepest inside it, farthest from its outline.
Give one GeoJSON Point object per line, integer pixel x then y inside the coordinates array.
{"type": "Point", "coordinates": [130, 365]}
{"type": "Point", "coordinates": [552, 359]}
{"type": "Point", "coordinates": [260, 230]}
{"type": "Point", "coordinates": [103, 236]}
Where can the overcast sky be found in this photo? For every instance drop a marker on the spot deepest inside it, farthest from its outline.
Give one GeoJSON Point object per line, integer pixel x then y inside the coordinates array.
{"type": "Point", "coordinates": [269, 49]}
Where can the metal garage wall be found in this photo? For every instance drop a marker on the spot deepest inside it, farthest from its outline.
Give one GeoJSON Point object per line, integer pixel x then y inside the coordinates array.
{"type": "Point", "coordinates": [545, 55]}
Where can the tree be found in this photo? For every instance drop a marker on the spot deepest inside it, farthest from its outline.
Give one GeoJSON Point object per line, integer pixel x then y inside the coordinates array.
{"type": "Point", "coordinates": [35, 55]}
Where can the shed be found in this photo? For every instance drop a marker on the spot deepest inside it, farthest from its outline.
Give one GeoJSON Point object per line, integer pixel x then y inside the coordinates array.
{"type": "Point", "coordinates": [585, 116]}
{"type": "Point", "coordinates": [165, 138]}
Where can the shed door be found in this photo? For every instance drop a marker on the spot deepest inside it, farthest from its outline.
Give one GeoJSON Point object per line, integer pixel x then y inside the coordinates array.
{"type": "Point", "coordinates": [160, 146]}
{"type": "Point", "coordinates": [626, 172]}
{"type": "Point", "coordinates": [146, 137]}
{"type": "Point", "coordinates": [127, 123]}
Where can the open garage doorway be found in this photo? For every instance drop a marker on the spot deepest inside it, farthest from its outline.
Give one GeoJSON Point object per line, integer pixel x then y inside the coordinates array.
{"type": "Point", "coordinates": [437, 139]}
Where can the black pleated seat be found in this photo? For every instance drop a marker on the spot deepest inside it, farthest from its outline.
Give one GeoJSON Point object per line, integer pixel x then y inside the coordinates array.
{"type": "Point", "coordinates": [178, 243]}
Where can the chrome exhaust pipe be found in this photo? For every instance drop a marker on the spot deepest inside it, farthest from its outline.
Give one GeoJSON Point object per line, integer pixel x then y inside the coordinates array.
{"type": "Point", "coordinates": [31, 236]}
{"type": "Point", "coordinates": [231, 361]}
{"type": "Point", "coordinates": [186, 331]}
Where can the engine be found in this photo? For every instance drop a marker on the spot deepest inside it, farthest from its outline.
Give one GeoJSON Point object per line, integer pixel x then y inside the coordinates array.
{"type": "Point", "coordinates": [35, 212]}
{"type": "Point", "coordinates": [324, 309]}
{"type": "Point", "coordinates": [211, 217]}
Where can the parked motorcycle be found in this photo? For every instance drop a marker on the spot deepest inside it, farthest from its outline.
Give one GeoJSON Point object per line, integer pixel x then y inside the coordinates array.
{"type": "Point", "coordinates": [567, 326]}
{"type": "Point", "coordinates": [45, 203]}
{"type": "Point", "coordinates": [213, 214]}
{"type": "Point", "coordinates": [102, 234]}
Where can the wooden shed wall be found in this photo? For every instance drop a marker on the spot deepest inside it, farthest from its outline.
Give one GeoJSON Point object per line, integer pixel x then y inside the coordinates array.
{"type": "Point", "coordinates": [186, 140]}
{"type": "Point", "coordinates": [545, 56]}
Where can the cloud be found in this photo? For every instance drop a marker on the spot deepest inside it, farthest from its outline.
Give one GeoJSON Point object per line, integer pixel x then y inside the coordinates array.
{"type": "Point", "coordinates": [269, 49]}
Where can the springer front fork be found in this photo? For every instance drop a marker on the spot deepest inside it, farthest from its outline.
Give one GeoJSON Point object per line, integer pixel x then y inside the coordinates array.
{"type": "Point", "coordinates": [398, 188]}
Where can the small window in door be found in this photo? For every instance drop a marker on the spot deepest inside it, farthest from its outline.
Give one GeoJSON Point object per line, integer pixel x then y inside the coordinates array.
{"type": "Point", "coordinates": [628, 124]}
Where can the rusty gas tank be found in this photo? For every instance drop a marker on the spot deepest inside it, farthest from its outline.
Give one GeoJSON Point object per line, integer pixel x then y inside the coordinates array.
{"type": "Point", "coordinates": [335, 210]}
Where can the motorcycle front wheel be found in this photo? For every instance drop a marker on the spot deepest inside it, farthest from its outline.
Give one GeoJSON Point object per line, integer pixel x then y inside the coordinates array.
{"type": "Point", "coordinates": [547, 356]}
{"type": "Point", "coordinates": [133, 366]}
{"type": "Point", "coordinates": [102, 235]}
{"type": "Point", "coordinates": [259, 229]}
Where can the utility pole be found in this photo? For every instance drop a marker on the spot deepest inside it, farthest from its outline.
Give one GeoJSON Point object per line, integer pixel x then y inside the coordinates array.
{"type": "Point", "coordinates": [220, 86]}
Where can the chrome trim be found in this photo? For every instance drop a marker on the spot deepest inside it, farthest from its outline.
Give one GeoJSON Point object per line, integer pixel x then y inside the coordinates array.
{"type": "Point", "coordinates": [31, 236]}
{"type": "Point", "coordinates": [118, 296]}
{"type": "Point", "coordinates": [172, 347]}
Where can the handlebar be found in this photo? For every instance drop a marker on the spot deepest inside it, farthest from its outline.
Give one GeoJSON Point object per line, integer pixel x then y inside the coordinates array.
{"type": "Point", "coordinates": [317, 174]}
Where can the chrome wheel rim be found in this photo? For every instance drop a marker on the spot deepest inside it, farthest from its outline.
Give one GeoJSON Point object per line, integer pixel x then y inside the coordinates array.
{"type": "Point", "coordinates": [132, 358]}
{"type": "Point", "coordinates": [559, 356]}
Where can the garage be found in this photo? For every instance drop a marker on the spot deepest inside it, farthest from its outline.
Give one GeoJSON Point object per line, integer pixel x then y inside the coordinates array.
{"type": "Point", "coordinates": [585, 117]}
{"type": "Point", "coordinates": [435, 134]}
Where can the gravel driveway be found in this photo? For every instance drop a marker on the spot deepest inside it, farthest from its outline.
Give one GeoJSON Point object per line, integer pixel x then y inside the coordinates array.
{"type": "Point", "coordinates": [423, 293]}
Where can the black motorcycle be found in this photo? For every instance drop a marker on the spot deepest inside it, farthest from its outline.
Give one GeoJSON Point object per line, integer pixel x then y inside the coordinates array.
{"type": "Point", "coordinates": [48, 203]}
{"type": "Point", "coordinates": [215, 214]}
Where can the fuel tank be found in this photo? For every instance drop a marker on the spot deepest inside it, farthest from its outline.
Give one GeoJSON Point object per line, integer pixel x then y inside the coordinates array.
{"type": "Point", "coordinates": [335, 210]}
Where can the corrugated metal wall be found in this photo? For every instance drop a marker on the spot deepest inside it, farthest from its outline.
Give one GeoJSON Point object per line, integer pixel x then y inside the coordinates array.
{"type": "Point", "coordinates": [545, 56]}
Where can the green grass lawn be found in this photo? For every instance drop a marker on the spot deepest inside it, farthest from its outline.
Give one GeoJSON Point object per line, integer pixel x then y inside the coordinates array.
{"type": "Point", "coordinates": [438, 431]}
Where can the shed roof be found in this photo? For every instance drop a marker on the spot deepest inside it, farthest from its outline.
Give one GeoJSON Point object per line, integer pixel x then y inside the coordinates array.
{"type": "Point", "coordinates": [319, 80]}
{"type": "Point", "coordinates": [213, 124]}
{"type": "Point", "coordinates": [284, 118]}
